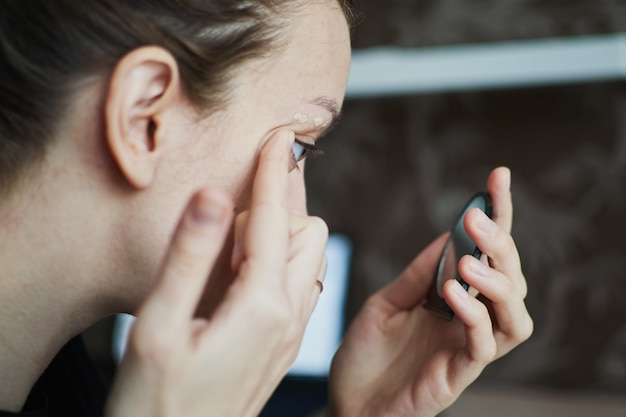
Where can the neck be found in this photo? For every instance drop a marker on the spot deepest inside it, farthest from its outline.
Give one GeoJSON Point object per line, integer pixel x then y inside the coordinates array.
{"type": "Point", "coordinates": [48, 289]}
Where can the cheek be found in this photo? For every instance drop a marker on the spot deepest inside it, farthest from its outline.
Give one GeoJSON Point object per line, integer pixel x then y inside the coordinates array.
{"type": "Point", "coordinates": [228, 171]}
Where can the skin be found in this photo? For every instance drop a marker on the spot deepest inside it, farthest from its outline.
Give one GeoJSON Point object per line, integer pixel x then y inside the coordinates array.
{"type": "Point", "coordinates": [197, 224]}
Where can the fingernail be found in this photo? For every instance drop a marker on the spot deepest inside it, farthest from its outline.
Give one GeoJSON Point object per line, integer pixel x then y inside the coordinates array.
{"type": "Point", "coordinates": [459, 290]}
{"type": "Point", "coordinates": [486, 224]}
{"type": "Point", "coordinates": [479, 268]}
{"type": "Point", "coordinates": [509, 178]}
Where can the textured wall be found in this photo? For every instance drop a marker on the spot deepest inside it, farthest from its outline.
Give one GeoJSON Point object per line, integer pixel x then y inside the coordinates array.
{"type": "Point", "coordinates": [441, 22]}
{"type": "Point", "coordinates": [397, 170]}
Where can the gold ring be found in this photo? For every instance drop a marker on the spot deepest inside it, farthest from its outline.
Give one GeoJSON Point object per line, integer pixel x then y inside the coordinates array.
{"type": "Point", "coordinates": [319, 284]}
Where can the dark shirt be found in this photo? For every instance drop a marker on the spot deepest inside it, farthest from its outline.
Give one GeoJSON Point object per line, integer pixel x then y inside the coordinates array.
{"type": "Point", "coordinates": [71, 386]}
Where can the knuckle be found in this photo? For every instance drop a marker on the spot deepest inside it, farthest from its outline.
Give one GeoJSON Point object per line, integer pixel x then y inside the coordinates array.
{"type": "Point", "coordinates": [508, 246]}
{"type": "Point", "coordinates": [525, 330]}
{"type": "Point", "coordinates": [490, 351]}
{"type": "Point", "coordinates": [524, 289]}
{"type": "Point", "coordinates": [321, 226]}
{"type": "Point", "coordinates": [185, 255]}
{"type": "Point", "coordinates": [507, 288]}
{"type": "Point", "coordinates": [486, 353]}
{"type": "Point", "coordinates": [522, 286]}
{"type": "Point", "coordinates": [317, 229]}
{"type": "Point", "coordinates": [183, 266]}
{"type": "Point", "coordinates": [483, 315]}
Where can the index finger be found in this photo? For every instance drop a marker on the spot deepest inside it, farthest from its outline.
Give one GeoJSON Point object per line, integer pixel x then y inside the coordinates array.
{"type": "Point", "coordinates": [267, 236]}
{"type": "Point", "coordinates": [499, 188]}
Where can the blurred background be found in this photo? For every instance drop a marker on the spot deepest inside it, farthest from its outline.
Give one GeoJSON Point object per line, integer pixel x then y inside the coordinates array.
{"type": "Point", "coordinates": [537, 85]}
{"type": "Point", "coordinates": [441, 92]}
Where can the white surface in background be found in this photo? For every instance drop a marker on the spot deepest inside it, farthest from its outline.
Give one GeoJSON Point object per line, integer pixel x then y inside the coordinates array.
{"type": "Point", "coordinates": [386, 71]}
{"type": "Point", "coordinates": [323, 334]}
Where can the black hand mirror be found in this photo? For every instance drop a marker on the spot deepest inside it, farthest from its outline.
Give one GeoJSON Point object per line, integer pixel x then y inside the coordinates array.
{"type": "Point", "coordinates": [458, 245]}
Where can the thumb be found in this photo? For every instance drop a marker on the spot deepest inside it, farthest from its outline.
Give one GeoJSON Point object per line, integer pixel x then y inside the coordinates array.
{"type": "Point", "coordinates": [409, 289]}
{"type": "Point", "coordinates": [195, 246]}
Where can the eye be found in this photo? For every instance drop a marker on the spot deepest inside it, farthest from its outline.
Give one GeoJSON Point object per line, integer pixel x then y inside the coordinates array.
{"type": "Point", "coordinates": [301, 150]}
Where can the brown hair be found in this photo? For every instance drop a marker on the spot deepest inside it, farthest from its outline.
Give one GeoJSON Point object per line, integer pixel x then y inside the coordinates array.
{"type": "Point", "coordinates": [48, 46]}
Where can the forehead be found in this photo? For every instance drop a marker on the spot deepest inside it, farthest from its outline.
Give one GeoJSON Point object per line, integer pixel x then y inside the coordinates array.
{"type": "Point", "coordinates": [313, 61]}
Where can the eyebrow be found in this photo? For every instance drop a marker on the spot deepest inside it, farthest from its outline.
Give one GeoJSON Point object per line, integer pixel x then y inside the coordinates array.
{"type": "Point", "coordinates": [330, 105]}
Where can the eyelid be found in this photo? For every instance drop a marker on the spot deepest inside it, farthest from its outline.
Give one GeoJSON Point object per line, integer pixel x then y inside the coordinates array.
{"type": "Point", "coordinates": [309, 150]}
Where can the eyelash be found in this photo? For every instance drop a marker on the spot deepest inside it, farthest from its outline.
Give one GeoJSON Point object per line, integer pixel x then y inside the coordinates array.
{"type": "Point", "coordinates": [307, 150]}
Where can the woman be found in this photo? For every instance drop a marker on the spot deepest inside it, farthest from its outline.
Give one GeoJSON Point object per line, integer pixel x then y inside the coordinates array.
{"type": "Point", "coordinates": [152, 163]}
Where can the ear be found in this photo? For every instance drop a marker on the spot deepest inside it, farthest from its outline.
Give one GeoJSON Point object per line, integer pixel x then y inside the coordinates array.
{"type": "Point", "coordinates": [142, 86]}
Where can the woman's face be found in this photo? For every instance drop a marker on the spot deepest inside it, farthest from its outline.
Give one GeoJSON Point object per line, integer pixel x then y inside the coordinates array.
{"type": "Point", "coordinates": [301, 88]}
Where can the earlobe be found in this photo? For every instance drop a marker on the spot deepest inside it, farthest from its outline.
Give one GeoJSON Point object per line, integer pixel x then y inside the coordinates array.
{"type": "Point", "coordinates": [142, 86]}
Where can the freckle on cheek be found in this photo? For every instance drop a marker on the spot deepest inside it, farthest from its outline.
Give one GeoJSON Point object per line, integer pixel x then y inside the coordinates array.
{"type": "Point", "coordinates": [300, 118]}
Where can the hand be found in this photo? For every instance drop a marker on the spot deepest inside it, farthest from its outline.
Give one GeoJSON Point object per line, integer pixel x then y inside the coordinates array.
{"type": "Point", "coordinates": [180, 365]}
{"type": "Point", "coordinates": [398, 359]}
